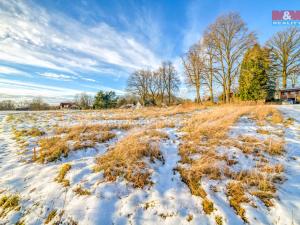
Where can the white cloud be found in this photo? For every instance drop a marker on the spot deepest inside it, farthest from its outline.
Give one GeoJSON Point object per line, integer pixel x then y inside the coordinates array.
{"type": "Point", "coordinates": [88, 79]}
{"type": "Point", "coordinates": [12, 71]}
{"type": "Point", "coordinates": [58, 76]}
{"type": "Point", "coordinates": [31, 36]}
{"type": "Point", "coordinates": [27, 89]}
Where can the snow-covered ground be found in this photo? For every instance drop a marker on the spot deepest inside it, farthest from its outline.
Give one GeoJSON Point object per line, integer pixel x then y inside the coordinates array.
{"type": "Point", "coordinates": [167, 201]}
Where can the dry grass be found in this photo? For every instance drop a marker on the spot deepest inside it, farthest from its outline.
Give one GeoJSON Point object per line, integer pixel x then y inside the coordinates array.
{"type": "Point", "coordinates": [147, 112]}
{"type": "Point", "coordinates": [267, 113]}
{"type": "Point", "coordinates": [64, 169]}
{"type": "Point", "coordinates": [8, 203]}
{"type": "Point", "coordinates": [51, 216]}
{"type": "Point", "coordinates": [262, 131]}
{"type": "Point", "coordinates": [189, 218]}
{"type": "Point", "coordinates": [51, 149]}
{"type": "Point", "coordinates": [126, 158]}
{"type": "Point", "coordinates": [274, 147]}
{"type": "Point", "coordinates": [208, 206]}
{"type": "Point", "coordinates": [81, 191]}
{"type": "Point", "coordinates": [219, 220]}
{"type": "Point", "coordinates": [192, 181]}
{"type": "Point", "coordinates": [25, 133]}
{"type": "Point", "coordinates": [162, 124]}
{"type": "Point", "coordinates": [208, 130]}
{"type": "Point", "coordinates": [236, 195]}
{"type": "Point", "coordinates": [73, 138]}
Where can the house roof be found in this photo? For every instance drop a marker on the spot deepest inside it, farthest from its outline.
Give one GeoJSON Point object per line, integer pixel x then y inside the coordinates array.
{"type": "Point", "coordinates": [290, 89]}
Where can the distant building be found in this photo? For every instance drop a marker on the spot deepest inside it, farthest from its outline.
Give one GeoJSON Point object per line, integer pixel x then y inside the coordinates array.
{"type": "Point", "coordinates": [68, 105]}
{"type": "Point", "coordinates": [290, 94]}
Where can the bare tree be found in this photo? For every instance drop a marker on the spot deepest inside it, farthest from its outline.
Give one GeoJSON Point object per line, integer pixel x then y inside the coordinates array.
{"type": "Point", "coordinates": [161, 81]}
{"type": "Point", "coordinates": [285, 52]}
{"type": "Point", "coordinates": [194, 68]}
{"type": "Point", "coordinates": [209, 75]}
{"type": "Point", "coordinates": [83, 100]}
{"type": "Point", "coordinates": [294, 76]}
{"type": "Point", "coordinates": [229, 37]}
{"type": "Point", "coordinates": [171, 80]}
{"type": "Point", "coordinates": [154, 85]}
{"type": "Point", "coordinates": [138, 83]}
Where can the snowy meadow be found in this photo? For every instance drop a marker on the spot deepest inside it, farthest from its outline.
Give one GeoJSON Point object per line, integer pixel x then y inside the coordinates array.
{"type": "Point", "coordinates": [187, 164]}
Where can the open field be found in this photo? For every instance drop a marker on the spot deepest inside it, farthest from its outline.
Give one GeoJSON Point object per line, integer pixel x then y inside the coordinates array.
{"type": "Point", "coordinates": [185, 164]}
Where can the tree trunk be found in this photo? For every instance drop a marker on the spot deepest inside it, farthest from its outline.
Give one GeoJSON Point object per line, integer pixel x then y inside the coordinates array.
{"type": "Point", "coordinates": [224, 94]}
{"type": "Point", "coordinates": [284, 77]}
{"type": "Point", "coordinates": [198, 99]}
{"type": "Point", "coordinates": [211, 94]}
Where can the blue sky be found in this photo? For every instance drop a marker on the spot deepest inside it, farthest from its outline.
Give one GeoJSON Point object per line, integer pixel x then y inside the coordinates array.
{"type": "Point", "coordinates": [57, 48]}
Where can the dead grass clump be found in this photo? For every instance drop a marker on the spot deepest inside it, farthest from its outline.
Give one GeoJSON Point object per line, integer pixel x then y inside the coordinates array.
{"type": "Point", "coordinates": [62, 173]}
{"type": "Point", "coordinates": [90, 140]}
{"type": "Point", "coordinates": [274, 147]}
{"type": "Point", "coordinates": [236, 195]}
{"type": "Point", "coordinates": [32, 132]}
{"type": "Point", "coordinates": [126, 158]}
{"type": "Point", "coordinates": [265, 197]}
{"type": "Point", "coordinates": [9, 203]}
{"type": "Point", "coordinates": [52, 148]}
{"type": "Point", "coordinates": [155, 134]}
{"type": "Point", "coordinates": [192, 180]}
{"type": "Point", "coordinates": [219, 220]}
{"type": "Point", "coordinates": [277, 168]}
{"type": "Point", "coordinates": [263, 113]}
{"type": "Point", "coordinates": [94, 128]}
{"type": "Point", "coordinates": [81, 191]}
{"type": "Point", "coordinates": [212, 126]}
{"type": "Point", "coordinates": [289, 121]}
{"type": "Point", "coordinates": [264, 132]}
{"type": "Point", "coordinates": [261, 182]}
{"type": "Point", "coordinates": [78, 137]}
{"type": "Point", "coordinates": [51, 216]}
{"type": "Point", "coordinates": [208, 206]}
{"type": "Point", "coordinates": [186, 150]}
{"type": "Point", "coordinates": [163, 124]}
{"type": "Point", "coordinates": [189, 218]}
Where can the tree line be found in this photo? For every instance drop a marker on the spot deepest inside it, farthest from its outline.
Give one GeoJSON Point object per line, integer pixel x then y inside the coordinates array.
{"type": "Point", "coordinates": [228, 57]}
{"type": "Point", "coordinates": [155, 87]}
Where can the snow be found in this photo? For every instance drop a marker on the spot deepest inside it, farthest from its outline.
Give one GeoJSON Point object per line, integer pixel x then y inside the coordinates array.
{"type": "Point", "coordinates": [168, 201]}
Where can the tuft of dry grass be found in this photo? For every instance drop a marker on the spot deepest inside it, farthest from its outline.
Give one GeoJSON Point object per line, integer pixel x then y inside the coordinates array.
{"type": "Point", "coordinates": [265, 197]}
{"type": "Point", "coordinates": [126, 158]}
{"type": "Point", "coordinates": [208, 206]}
{"type": "Point", "coordinates": [236, 195]}
{"type": "Point", "coordinates": [78, 137]}
{"type": "Point", "coordinates": [81, 191]}
{"type": "Point", "coordinates": [262, 131]}
{"type": "Point", "coordinates": [21, 135]}
{"type": "Point", "coordinates": [189, 218]}
{"type": "Point", "coordinates": [192, 181]}
{"type": "Point", "coordinates": [8, 203]}
{"type": "Point", "coordinates": [267, 113]}
{"type": "Point", "coordinates": [219, 220]}
{"type": "Point", "coordinates": [64, 169]}
{"type": "Point", "coordinates": [51, 149]}
{"type": "Point", "coordinates": [51, 216]}
{"type": "Point", "coordinates": [274, 147]}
